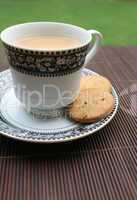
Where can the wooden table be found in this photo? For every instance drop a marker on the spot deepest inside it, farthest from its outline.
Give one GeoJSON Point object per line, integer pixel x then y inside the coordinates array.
{"type": "Point", "coordinates": [100, 167]}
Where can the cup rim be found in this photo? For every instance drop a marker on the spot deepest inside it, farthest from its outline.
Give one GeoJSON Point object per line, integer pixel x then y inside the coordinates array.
{"type": "Point", "coordinates": [43, 50]}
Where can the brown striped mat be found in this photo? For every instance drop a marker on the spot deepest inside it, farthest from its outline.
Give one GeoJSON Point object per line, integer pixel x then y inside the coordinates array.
{"type": "Point", "coordinates": [100, 167]}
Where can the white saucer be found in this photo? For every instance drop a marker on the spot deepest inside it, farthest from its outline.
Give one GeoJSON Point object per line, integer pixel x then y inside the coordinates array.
{"type": "Point", "coordinates": [16, 123]}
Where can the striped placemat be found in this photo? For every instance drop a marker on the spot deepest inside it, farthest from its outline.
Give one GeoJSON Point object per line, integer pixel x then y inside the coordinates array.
{"type": "Point", "coordinates": [100, 167]}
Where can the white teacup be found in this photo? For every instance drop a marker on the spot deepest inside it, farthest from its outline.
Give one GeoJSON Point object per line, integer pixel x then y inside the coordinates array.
{"type": "Point", "coordinates": [47, 80]}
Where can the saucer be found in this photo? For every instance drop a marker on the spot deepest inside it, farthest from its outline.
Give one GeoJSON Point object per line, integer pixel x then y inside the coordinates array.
{"type": "Point", "coordinates": [16, 123]}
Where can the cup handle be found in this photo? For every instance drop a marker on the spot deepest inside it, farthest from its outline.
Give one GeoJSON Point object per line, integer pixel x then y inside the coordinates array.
{"type": "Point", "coordinates": [93, 49]}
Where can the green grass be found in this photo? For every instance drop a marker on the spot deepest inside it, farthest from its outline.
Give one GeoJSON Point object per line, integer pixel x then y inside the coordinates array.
{"type": "Point", "coordinates": [116, 19]}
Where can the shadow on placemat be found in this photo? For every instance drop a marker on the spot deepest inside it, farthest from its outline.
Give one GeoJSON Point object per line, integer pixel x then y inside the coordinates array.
{"type": "Point", "coordinates": [14, 148]}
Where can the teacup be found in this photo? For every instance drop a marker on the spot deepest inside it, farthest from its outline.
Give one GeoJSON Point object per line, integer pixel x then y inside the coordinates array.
{"type": "Point", "coordinates": [46, 80]}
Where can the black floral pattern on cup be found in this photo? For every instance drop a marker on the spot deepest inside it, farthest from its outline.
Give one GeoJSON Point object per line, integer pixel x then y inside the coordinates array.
{"type": "Point", "coordinates": [52, 63]}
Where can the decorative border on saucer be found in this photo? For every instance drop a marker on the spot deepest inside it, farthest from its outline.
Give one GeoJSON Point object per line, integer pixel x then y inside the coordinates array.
{"type": "Point", "coordinates": [36, 137]}
{"type": "Point", "coordinates": [40, 63]}
{"type": "Point", "coordinates": [63, 136]}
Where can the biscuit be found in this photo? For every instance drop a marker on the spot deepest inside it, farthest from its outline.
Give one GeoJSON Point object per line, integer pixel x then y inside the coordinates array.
{"type": "Point", "coordinates": [95, 82]}
{"type": "Point", "coordinates": [91, 105]}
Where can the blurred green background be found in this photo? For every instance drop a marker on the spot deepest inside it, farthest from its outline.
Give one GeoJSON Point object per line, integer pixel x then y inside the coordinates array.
{"type": "Point", "coordinates": [116, 19]}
